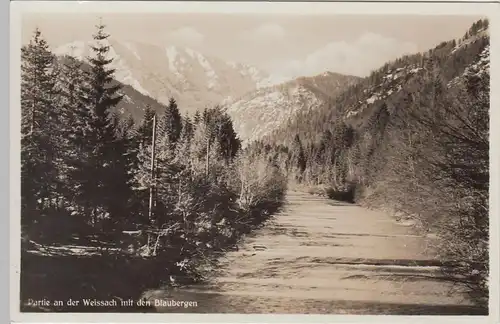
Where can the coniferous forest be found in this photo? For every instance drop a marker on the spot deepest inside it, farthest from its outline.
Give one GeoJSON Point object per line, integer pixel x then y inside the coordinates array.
{"type": "Point", "coordinates": [104, 195]}
{"type": "Point", "coordinates": [113, 205]}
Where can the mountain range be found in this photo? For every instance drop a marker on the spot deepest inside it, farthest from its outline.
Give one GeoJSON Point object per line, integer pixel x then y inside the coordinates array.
{"type": "Point", "coordinates": [151, 75]}
{"type": "Point", "coordinates": [259, 107]}
{"type": "Point", "coordinates": [193, 79]}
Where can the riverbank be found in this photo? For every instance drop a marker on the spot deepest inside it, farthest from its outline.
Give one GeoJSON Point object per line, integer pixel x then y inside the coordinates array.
{"type": "Point", "coordinates": [319, 256]}
{"type": "Point", "coordinates": [91, 275]}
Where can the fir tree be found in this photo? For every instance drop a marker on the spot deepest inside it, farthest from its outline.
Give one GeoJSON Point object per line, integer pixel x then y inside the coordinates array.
{"type": "Point", "coordinates": [145, 129]}
{"type": "Point", "coordinates": [299, 156]}
{"type": "Point", "coordinates": [103, 175]}
{"type": "Point", "coordinates": [187, 128]}
{"type": "Point", "coordinates": [220, 128]}
{"type": "Point", "coordinates": [75, 126]}
{"type": "Point", "coordinates": [199, 149]}
{"type": "Point", "coordinates": [39, 127]}
{"type": "Point", "coordinates": [171, 124]}
{"type": "Point", "coordinates": [184, 143]}
{"type": "Point", "coordinates": [197, 118]}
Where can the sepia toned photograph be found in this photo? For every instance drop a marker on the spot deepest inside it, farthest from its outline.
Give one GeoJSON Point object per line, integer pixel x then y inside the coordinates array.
{"type": "Point", "coordinates": [245, 163]}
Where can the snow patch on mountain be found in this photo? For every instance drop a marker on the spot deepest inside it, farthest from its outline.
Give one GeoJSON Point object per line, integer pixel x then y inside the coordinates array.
{"type": "Point", "coordinates": [132, 48]}
{"type": "Point", "coordinates": [463, 43]}
{"type": "Point", "coordinates": [190, 52]}
{"type": "Point", "coordinates": [127, 98]}
{"type": "Point", "coordinates": [210, 73]}
{"type": "Point", "coordinates": [478, 68]}
{"type": "Point", "coordinates": [268, 109]}
{"type": "Point", "coordinates": [372, 99]}
{"type": "Point", "coordinates": [232, 64]}
{"type": "Point", "coordinates": [257, 76]}
{"type": "Point", "coordinates": [171, 56]}
{"type": "Point", "coordinates": [123, 73]}
{"type": "Point", "coordinates": [392, 82]}
{"type": "Point", "coordinates": [482, 66]}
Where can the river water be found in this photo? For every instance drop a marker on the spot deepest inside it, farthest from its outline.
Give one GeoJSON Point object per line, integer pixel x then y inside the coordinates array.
{"type": "Point", "coordinates": [319, 256]}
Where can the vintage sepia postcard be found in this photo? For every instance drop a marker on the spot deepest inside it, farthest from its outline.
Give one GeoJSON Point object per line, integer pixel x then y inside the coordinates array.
{"type": "Point", "coordinates": [234, 159]}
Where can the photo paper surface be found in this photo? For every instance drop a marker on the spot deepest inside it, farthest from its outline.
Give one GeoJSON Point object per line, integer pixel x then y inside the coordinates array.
{"type": "Point", "coordinates": [236, 161]}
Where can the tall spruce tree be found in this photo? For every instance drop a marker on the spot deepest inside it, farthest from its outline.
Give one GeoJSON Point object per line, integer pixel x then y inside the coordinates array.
{"type": "Point", "coordinates": [298, 156]}
{"type": "Point", "coordinates": [171, 124]}
{"type": "Point", "coordinates": [103, 171]}
{"type": "Point", "coordinates": [220, 128]}
{"type": "Point", "coordinates": [184, 144]}
{"type": "Point", "coordinates": [39, 128]}
{"type": "Point", "coordinates": [197, 117]}
{"type": "Point", "coordinates": [145, 129]}
{"type": "Point", "coordinates": [73, 124]}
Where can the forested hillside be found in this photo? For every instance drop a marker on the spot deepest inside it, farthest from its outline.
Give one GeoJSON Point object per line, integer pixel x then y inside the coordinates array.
{"type": "Point", "coordinates": [153, 200]}
{"type": "Point", "coordinates": [413, 138]}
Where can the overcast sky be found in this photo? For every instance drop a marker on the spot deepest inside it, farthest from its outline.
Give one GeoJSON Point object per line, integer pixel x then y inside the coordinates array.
{"type": "Point", "coordinates": [283, 45]}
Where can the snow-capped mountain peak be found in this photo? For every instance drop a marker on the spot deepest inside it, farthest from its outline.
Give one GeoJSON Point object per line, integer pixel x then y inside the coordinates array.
{"type": "Point", "coordinates": [194, 79]}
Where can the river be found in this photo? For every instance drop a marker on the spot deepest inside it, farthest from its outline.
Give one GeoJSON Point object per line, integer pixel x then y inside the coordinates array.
{"type": "Point", "coordinates": [320, 256]}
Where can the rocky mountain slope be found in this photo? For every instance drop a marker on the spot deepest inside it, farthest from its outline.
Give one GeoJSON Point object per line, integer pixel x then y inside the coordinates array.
{"type": "Point", "coordinates": [478, 68]}
{"type": "Point", "coordinates": [258, 113]}
{"type": "Point", "coordinates": [390, 85]}
{"type": "Point", "coordinates": [470, 56]}
{"type": "Point", "coordinates": [193, 79]}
